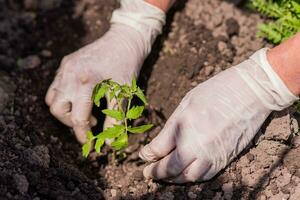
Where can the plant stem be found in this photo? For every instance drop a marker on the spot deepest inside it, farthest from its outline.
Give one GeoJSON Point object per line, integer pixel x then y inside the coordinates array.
{"type": "Point", "coordinates": [125, 121]}
{"type": "Point", "coordinates": [114, 157]}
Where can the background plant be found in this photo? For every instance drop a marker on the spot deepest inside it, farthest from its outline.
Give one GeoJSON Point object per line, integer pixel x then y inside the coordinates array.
{"type": "Point", "coordinates": [123, 115]}
{"type": "Point", "coordinates": [284, 15]}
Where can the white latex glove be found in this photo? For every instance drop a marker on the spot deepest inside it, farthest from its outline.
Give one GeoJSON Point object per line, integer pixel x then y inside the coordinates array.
{"type": "Point", "coordinates": [215, 121]}
{"type": "Point", "coordinates": [117, 55]}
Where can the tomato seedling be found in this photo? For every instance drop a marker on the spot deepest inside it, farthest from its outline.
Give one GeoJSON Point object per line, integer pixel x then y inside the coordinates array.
{"type": "Point", "coordinates": [123, 115]}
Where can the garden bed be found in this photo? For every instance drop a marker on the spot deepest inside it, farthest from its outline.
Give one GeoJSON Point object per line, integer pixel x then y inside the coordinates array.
{"type": "Point", "coordinates": [40, 158]}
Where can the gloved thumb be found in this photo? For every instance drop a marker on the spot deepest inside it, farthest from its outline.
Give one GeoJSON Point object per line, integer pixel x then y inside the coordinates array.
{"type": "Point", "coordinates": [162, 144]}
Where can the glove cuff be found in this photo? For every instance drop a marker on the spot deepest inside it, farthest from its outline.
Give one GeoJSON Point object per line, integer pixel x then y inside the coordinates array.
{"type": "Point", "coordinates": [147, 19]}
{"type": "Point", "coordinates": [265, 82]}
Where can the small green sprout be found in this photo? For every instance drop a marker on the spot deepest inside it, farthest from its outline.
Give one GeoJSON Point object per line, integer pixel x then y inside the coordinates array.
{"type": "Point", "coordinates": [119, 132]}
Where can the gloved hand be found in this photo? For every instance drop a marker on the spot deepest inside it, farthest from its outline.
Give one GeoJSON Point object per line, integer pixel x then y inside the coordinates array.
{"type": "Point", "coordinates": [117, 55]}
{"type": "Point", "coordinates": [215, 121]}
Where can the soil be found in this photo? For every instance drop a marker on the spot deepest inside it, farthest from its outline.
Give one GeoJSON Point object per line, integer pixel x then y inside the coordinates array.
{"type": "Point", "coordinates": [40, 158]}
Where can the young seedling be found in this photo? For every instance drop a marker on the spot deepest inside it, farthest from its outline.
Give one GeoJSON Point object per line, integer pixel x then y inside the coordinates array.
{"type": "Point", "coordinates": [119, 132]}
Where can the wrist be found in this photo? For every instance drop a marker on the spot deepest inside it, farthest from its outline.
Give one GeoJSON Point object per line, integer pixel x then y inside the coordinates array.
{"type": "Point", "coordinates": [265, 82]}
{"type": "Point", "coordinates": [145, 18]}
{"type": "Point", "coordinates": [285, 61]}
{"type": "Point", "coordinates": [164, 5]}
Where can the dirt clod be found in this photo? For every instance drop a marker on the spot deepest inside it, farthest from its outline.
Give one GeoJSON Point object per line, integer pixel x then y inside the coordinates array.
{"type": "Point", "coordinates": [38, 156]}
{"type": "Point", "coordinates": [46, 53]}
{"type": "Point", "coordinates": [31, 4]}
{"type": "Point", "coordinates": [29, 62]}
{"type": "Point", "coordinates": [21, 182]}
{"type": "Point", "coordinates": [233, 26]}
{"type": "Point", "coordinates": [292, 160]}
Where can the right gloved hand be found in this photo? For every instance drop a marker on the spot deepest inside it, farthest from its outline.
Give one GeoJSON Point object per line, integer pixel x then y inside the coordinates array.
{"type": "Point", "coordinates": [117, 55]}
{"type": "Point", "coordinates": [215, 121]}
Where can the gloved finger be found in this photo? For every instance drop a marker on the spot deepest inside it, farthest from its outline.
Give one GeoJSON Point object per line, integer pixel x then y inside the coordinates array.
{"type": "Point", "coordinates": [109, 121]}
{"type": "Point", "coordinates": [50, 95]}
{"type": "Point", "coordinates": [162, 144]}
{"type": "Point", "coordinates": [194, 172]}
{"type": "Point", "coordinates": [61, 109]}
{"type": "Point", "coordinates": [81, 131]}
{"type": "Point", "coordinates": [93, 121]}
{"type": "Point", "coordinates": [171, 165]}
{"type": "Point", "coordinates": [81, 113]}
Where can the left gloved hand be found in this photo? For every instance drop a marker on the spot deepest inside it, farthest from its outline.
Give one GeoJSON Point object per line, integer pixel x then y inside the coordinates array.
{"type": "Point", "coordinates": [117, 55]}
{"type": "Point", "coordinates": [216, 121]}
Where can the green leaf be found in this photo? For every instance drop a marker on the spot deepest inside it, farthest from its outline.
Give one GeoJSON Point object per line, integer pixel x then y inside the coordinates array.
{"type": "Point", "coordinates": [135, 112]}
{"type": "Point", "coordinates": [295, 6]}
{"type": "Point", "coordinates": [121, 142]}
{"type": "Point", "coordinates": [99, 93]}
{"type": "Point", "coordinates": [140, 129]}
{"type": "Point", "coordinates": [133, 85]}
{"type": "Point", "coordinates": [111, 95]}
{"type": "Point", "coordinates": [126, 89]}
{"type": "Point", "coordinates": [99, 144]}
{"type": "Point", "coordinates": [90, 135]}
{"type": "Point", "coordinates": [114, 92]}
{"type": "Point", "coordinates": [118, 115]}
{"type": "Point", "coordinates": [139, 93]}
{"type": "Point", "coordinates": [86, 148]}
{"type": "Point", "coordinates": [112, 132]}
{"type": "Point", "coordinates": [113, 83]}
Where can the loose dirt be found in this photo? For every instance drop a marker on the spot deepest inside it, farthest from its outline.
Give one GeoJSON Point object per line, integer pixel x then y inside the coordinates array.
{"type": "Point", "coordinates": [40, 158]}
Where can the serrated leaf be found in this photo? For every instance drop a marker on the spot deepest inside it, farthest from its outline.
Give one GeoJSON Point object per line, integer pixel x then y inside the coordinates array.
{"type": "Point", "coordinates": [113, 83]}
{"type": "Point", "coordinates": [111, 95]}
{"type": "Point", "coordinates": [112, 132]}
{"type": "Point", "coordinates": [126, 89]}
{"type": "Point", "coordinates": [133, 85]}
{"type": "Point", "coordinates": [118, 115]}
{"type": "Point", "coordinates": [121, 142]}
{"type": "Point", "coordinates": [140, 129]}
{"type": "Point", "coordinates": [99, 93]}
{"type": "Point", "coordinates": [135, 112]}
{"type": "Point", "coordinates": [86, 148]}
{"type": "Point", "coordinates": [139, 93]}
{"type": "Point", "coordinates": [99, 144]}
{"type": "Point", "coordinates": [116, 90]}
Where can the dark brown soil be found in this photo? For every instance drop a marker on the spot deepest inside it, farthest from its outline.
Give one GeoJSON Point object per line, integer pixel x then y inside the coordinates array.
{"type": "Point", "coordinates": [40, 158]}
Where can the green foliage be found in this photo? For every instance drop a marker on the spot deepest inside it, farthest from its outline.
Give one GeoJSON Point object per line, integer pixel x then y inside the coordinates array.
{"type": "Point", "coordinates": [135, 112]}
{"type": "Point", "coordinates": [139, 129]}
{"type": "Point", "coordinates": [285, 15]}
{"type": "Point", "coordinates": [119, 133]}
